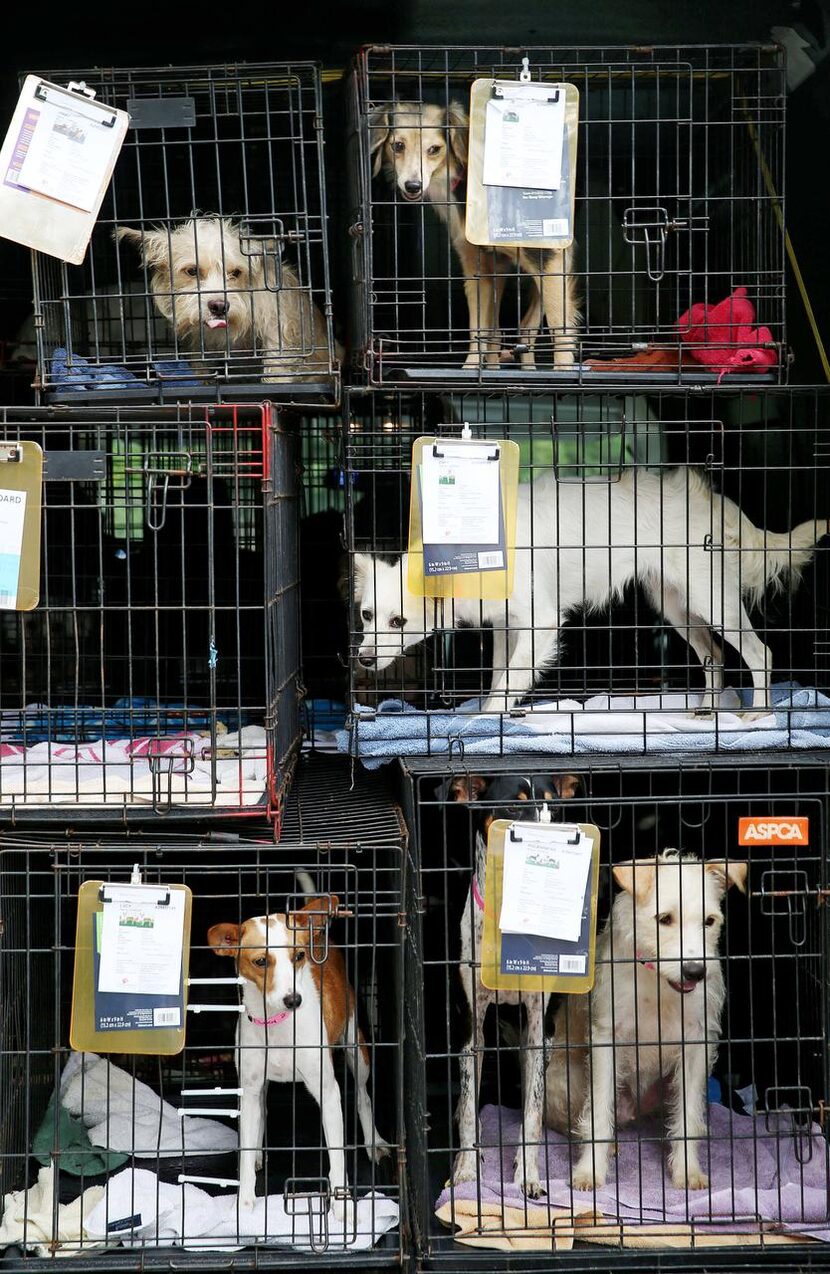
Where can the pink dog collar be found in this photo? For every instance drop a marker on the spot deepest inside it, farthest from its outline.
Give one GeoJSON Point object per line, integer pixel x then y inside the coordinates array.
{"type": "Point", "coordinates": [269, 1021]}
{"type": "Point", "coordinates": [479, 901]}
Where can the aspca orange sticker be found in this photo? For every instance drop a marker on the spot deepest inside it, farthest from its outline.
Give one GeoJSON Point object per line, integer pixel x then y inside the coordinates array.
{"type": "Point", "coordinates": [774, 831]}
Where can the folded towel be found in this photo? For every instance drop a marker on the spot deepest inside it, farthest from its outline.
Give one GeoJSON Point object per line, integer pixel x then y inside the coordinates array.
{"type": "Point", "coordinates": [122, 1113]}
{"type": "Point", "coordinates": [139, 1210]}
{"type": "Point", "coordinates": [74, 372]}
{"type": "Point", "coordinates": [30, 1221]}
{"type": "Point", "coordinates": [642, 724]}
{"type": "Point", "coordinates": [762, 1175]}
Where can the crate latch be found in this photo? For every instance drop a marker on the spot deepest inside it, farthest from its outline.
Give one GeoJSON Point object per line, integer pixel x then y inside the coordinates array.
{"type": "Point", "coordinates": [784, 892]}
{"type": "Point", "coordinates": [650, 228]}
{"type": "Point", "coordinates": [798, 1105]}
{"type": "Point", "coordinates": [310, 1197]}
{"type": "Point", "coordinates": [162, 764]}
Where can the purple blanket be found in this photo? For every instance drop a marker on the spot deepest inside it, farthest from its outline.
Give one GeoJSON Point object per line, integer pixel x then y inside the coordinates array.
{"type": "Point", "coordinates": [757, 1173]}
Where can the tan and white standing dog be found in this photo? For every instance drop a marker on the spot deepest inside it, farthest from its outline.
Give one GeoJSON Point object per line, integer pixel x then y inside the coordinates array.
{"type": "Point", "coordinates": [654, 1015]}
{"type": "Point", "coordinates": [422, 149]}
{"type": "Point", "coordinates": [223, 299]}
{"type": "Point", "coordinates": [297, 1005]}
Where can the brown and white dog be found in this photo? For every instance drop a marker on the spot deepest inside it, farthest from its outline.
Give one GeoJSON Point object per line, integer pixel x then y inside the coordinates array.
{"type": "Point", "coordinates": [297, 1005]}
{"type": "Point", "coordinates": [422, 150]}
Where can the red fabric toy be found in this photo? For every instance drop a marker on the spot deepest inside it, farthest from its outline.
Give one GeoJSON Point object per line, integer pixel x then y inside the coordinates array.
{"type": "Point", "coordinates": [722, 336]}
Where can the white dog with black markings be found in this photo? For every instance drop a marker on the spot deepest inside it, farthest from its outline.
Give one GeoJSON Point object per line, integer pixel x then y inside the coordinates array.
{"type": "Point", "coordinates": [654, 1016]}
{"type": "Point", "coordinates": [225, 293]}
{"type": "Point", "coordinates": [578, 545]}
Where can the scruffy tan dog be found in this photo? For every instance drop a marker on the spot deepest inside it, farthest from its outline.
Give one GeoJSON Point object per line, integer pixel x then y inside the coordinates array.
{"type": "Point", "coordinates": [422, 150]}
{"type": "Point", "coordinates": [223, 300]}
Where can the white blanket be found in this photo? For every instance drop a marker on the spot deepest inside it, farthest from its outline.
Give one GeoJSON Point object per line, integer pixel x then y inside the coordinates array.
{"type": "Point", "coordinates": [122, 1113]}
{"type": "Point", "coordinates": [179, 768]}
{"type": "Point", "coordinates": [137, 1210]}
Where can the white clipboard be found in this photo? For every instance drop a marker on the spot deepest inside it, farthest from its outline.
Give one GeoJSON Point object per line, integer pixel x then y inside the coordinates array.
{"type": "Point", "coordinates": [56, 163]}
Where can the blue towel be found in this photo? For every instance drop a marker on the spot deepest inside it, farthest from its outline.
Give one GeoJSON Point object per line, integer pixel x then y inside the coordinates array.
{"type": "Point", "coordinates": [801, 719]}
{"type": "Point", "coordinates": [126, 718]}
{"type": "Point", "coordinates": [80, 374]}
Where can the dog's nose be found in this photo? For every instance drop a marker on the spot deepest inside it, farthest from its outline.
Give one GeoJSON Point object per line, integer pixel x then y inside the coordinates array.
{"type": "Point", "coordinates": [293, 1000]}
{"type": "Point", "coordinates": [218, 309]}
{"type": "Point", "coordinates": [366, 661]}
{"type": "Point", "coordinates": [412, 187]}
{"type": "Point", "coordinates": [694, 971]}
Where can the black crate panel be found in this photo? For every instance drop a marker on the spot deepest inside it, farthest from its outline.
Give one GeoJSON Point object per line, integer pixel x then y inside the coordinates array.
{"type": "Point", "coordinates": [678, 201]}
{"type": "Point", "coordinates": [169, 610]}
{"type": "Point", "coordinates": [238, 148]}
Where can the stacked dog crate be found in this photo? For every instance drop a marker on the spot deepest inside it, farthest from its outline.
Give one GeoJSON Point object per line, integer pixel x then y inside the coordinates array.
{"type": "Point", "coordinates": [660, 670]}
{"type": "Point", "coordinates": [151, 696]}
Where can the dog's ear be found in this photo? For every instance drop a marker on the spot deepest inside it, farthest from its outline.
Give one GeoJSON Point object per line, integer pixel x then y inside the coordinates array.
{"type": "Point", "coordinates": [224, 939]}
{"type": "Point", "coordinates": [467, 787]}
{"type": "Point", "coordinates": [565, 787]}
{"type": "Point", "coordinates": [637, 877]}
{"type": "Point", "coordinates": [153, 245]}
{"type": "Point", "coordinates": [380, 122]}
{"type": "Point", "coordinates": [317, 912]}
{"type": "Point", "coordinates": [729, 873]}
{"type": "Point", "coordinates": [458, 126]}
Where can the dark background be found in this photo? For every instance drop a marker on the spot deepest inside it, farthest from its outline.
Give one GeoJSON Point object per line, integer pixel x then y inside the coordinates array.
{"type": "Point", "coordinates": [111, 35]}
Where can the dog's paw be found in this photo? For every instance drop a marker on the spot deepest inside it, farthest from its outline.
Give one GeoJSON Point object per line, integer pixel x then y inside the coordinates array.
{"type": "Point", "coordinates": [378, 1150]}
{"type": "Point", "coordinates": [343, 1210]}
{"type": "Point", "coordinates": [585, 1177]}
{"type": "Point", "coordinates": [531, 1187]}
{"type": "Point", "coordinates": [246, 1202]}
{"type": "Point", "coordinates": [563, 359]}
{"type": "Point", "coordinates": [466, 1167]}
{"type": "Point", "coordinates": [258, 1162]}
{"type": "Point", "coordinates": [691, 1178]}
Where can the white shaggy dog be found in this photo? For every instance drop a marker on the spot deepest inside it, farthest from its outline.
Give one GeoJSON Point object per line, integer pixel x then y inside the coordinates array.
{"type": "Point", "coordinates": [653, 1015]}
{"type": "Point", "coordinates": [422, 149]}
{"type": "Point", "coordinates": [228, 296]}
{"type": "Point", "coordinates": [578, 545]}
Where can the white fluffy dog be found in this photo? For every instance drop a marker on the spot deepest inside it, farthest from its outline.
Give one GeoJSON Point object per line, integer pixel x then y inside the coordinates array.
{"type": "Point", "coordinates": [653, 1015]}
{"type": "Point", "coordinates": [578, 545]}
{"type": "Point", "coordinates": [225, 297]}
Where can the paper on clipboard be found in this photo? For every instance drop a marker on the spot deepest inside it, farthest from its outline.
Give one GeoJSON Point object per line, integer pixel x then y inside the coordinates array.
{"type": "Point", "coordinates": [524, 131]}
{"type": "Point", "coordinates": [460, 492]}
{"type": "Point", "coordinates": [141, 941]}
{"type": "Point", "coordinates": [55, 165]}
{"type": "Point", "coordinates": [543, 889]}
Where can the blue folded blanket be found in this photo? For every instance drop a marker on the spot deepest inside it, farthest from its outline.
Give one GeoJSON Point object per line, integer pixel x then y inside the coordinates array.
{"type": "Point", "coordinates": [125, 719]}
{"type": "Point", "coordinates": [80, 374]}
{"type": "Point", "coordinates": [606, 724]}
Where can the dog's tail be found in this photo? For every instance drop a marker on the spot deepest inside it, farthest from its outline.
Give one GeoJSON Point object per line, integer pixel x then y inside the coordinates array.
{"type": "Point", "coordinates": [305, 883]}
{"type": "Point", "coordinates": [769, 558]}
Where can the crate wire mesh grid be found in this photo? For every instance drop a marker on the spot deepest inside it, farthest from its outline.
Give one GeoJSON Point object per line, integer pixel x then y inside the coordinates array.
{"type": "Point", "coordinates": [631, 476]}
{"type": "Point", "coordinates": [159, 674]}
{"type": "Point", "coordinates": [232, 305]}
{"type": "Point", "coordinates": [763, 1144]}
{"type": "Point", "coordinates": [104, 1127]}
{"type": "Point", "coordinates": [679, 200]}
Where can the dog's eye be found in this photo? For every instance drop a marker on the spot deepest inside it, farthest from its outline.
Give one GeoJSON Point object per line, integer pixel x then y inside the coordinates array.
{"type": "Point", "coordinates": [299, 956]}
{"type": "Point", "coordinates": [366, 616]}
{"type": "Point", "coordinates": [261, 962]}
{"type": "Point", "coordinates": [235, 273]}
{"type": "Point", "coordinates": [711, 920]}
{"type": "Point", "coordinates": [434, 150]}
{"type": "Point", "coordinates": [665, 918]}
{"type": "Point", "coordinates": [397, 621]}
{"type": "Point", "coordinates": [191, 270]}
{"type": "Point", "coordinates": [399, 147]}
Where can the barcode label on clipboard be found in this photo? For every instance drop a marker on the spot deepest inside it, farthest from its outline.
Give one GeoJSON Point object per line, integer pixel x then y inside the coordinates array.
{"type": "Point", "coordinates": [491, 561]}
{"type": "Point", "coordinates": [554, 227]}
{"type": "Point", "coordinates": [572, 964]}
{"type": "Point", "coordinates": [167, 1017]}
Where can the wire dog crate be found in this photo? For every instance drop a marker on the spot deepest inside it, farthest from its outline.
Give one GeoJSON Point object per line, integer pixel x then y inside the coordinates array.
{"type": "Point", "coordinates": [679, 202]}
{"type": "Point", "coordinates": [159, 674]}
{"type": "Point", "coordinates": [689, 492]}
{"type": "Point", "coordinates": [207, 276]}
{"type": "Point", "coordinates": [107, 1133]}
{"type": "Point", "coordinates": [763, 1141]}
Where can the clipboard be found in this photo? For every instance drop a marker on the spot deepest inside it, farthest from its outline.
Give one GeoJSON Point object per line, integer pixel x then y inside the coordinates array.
{"type": "Point", "coordinates": [56, 163]}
